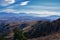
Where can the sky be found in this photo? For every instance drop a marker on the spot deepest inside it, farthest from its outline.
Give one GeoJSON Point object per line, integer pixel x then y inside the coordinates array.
{"type": "Point", "coordinates": [36, 7]}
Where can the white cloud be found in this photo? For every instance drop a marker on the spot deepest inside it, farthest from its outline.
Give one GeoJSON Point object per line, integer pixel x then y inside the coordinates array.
{"type": "Point", "coordinates": [42, 13]}
{"type": "Point", "coordinates": [10, 11]}
{"type": "Point", "coordinates": [7, 2]}
{"type": "Point", "coordinates": [41, 7]}
{"type": "Point", "coordinates": [24, 3]}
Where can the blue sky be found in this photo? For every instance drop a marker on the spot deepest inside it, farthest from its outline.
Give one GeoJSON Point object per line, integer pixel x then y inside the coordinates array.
{"type": "Point", "coordinates": [38, 7]}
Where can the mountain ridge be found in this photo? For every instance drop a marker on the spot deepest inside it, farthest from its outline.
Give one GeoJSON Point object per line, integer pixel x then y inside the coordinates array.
{"type": "Point", "coordinates": [25, 17]}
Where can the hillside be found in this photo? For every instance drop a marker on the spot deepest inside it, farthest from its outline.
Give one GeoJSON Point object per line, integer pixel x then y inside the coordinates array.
{"type": "Point", "coordinates": [44, 29]}
{"type": "Point", "coordinates": [54, 36]}
{"type": "Point", "coordinates": [35, 30]}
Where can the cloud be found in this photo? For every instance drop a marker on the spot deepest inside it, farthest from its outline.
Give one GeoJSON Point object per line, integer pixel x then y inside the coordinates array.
{"type": "Point", "coordinates": [42, 13]}
{"type": "Point", "coordinates": [10, 11]}
{"type": "Point", "coordinates": [41, 7]}
{"type": "Point", "coordinates": [6, 2]}
{"type": "Point", "coordinates": [24, 3]}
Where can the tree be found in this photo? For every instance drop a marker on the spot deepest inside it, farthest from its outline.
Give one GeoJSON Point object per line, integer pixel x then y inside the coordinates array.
{"type": "Point", "coordinates": [18, 34]}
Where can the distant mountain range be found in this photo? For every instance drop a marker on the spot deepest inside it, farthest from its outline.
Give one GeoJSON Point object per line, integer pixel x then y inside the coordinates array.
{"type": "Point", "coordinates": [24, 17]}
